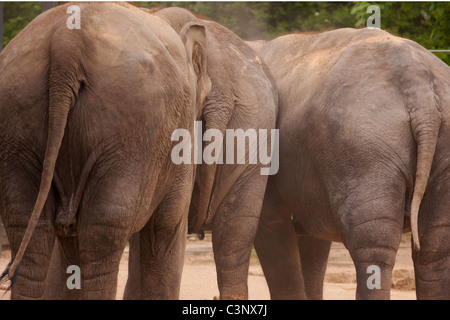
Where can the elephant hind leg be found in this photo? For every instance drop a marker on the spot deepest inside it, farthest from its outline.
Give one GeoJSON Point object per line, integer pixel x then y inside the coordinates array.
{"type": "Point", "coordinates": [101, 243]}
{"type": "Point", "coordinates": [275, 242]}
{"type": "Point", "coordinates": [133, 286]}
{"type": "Point", "coordinates": [314, 257]}
{"type": "Point", "coordinates": [156, 255]}
{"type": "Point", "coordinates": [156, 260]}
{"type": "Point", "coordinates": [159, 261]}
{"type": "Point", "coordinates": [432, 261]}
{"type": "Point", "coordinates": [373, 242]}
{"type": "Point", "coordinates": [103, 230]}
{"type": "Point", "coordinates": [99, 272]}
{"type": "Point", "coordinates": [17, 197]}
{"type": "Point", "coordinates": [276, 246]}
{"type": "Point", "coordinates": [374, 272]}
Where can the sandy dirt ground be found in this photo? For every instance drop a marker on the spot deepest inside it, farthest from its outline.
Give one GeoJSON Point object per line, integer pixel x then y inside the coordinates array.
{"type": "Point", "coordinates": [199, 275]}
{"type": "Point", "coordinates": [340, 279]}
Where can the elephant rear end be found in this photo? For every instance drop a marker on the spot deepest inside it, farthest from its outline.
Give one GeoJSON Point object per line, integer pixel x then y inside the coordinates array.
{"type": "Point", "coordinates": [86, 126]}
{"type": "Point", "coordinates": [432, 261]}
{"type": "Point", "coordinates": [364, 144]}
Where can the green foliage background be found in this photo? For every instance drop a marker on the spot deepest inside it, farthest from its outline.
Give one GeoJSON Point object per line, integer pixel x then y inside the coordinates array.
{"type": "Point", "coordinates": [424, 22]}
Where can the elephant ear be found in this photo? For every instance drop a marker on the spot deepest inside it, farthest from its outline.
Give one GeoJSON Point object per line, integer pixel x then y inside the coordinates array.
{"type": "Point", "coordinates": [193, 36]}
{"type": "Point", "coordinates": [217, 109]}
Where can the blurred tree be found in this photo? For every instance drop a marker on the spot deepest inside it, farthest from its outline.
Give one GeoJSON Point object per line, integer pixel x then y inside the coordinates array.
{"type": "Point", "coordinates": [16, 15]}
{"type": "Point", "coordinates": [1, 26]}
{"type": "Point", "coordinates": [440, 28]}
{"type": "Point", "coordinates": [424, 22]}
{"type": "Point", "coordinates": [263, 20]}
{"type": "Point", "coordinates": [247, 19]}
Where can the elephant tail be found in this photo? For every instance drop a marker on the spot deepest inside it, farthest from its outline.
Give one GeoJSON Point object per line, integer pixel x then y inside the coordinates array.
{"type": "Point", "coordinates": [63, 87]}
{"type": "Point", "coordinates": [425, 124]}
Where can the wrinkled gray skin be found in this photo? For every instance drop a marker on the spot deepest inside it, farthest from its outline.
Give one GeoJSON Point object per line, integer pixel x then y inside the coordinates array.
{"type": "Point", "coordinates": [364, 142]}
{"type": "Point", "coordinates": [86, 118]}
{"type": "Point", "coordinates": [243, 93]}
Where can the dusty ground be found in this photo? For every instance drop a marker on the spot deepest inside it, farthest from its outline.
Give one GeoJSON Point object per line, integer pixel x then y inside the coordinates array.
{"type": "Point", "coordinates": [340, 279]}
{"type": "Point", "coordinates": [199, 275]}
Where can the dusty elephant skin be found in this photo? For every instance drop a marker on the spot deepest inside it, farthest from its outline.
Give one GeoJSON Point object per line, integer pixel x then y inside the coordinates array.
{"type": "Point", "coordinates": [364, 143]}
{"type": "Point", "coordinates": [227, 198]}
{"type": "Point", "coordinates": [91, 110]}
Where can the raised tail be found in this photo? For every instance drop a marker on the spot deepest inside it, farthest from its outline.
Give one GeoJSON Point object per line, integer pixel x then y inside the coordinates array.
{"type": "Point", "coordinates": [63, 89]}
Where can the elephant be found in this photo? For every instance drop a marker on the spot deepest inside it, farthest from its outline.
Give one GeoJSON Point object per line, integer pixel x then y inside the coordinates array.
{"type": "Point", "coordinates": [227, 197]}
{"type": "Point", "coordinates": [86, 119]}
{"type": "Point", "coordinates": [364, 134]}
